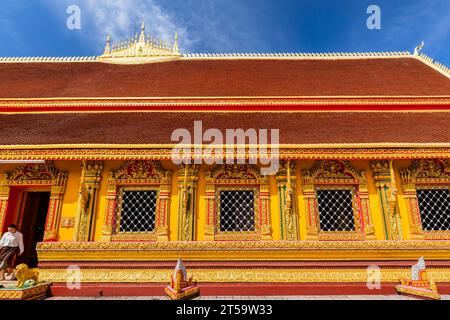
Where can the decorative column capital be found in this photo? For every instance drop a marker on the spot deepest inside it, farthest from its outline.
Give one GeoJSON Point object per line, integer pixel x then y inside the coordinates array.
{"type": "Point", "coordinates": [381, 173]}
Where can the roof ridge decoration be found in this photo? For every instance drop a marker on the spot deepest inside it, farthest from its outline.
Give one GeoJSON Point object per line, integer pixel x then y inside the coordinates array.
{"type": "Point", "coordinates": [49, 59]}
{"type": "Point", "coordinates": [434, 64]}
{"type": "Point", "coordinates": [320, 55]}
{"type": "Point", "coordinates": [141, 48]}
{"type": "Point", "coordinates": [304, 55]}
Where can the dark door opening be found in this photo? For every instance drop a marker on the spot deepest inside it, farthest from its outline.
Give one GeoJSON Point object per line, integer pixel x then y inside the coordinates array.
{"type": "Point", "coordinates": [32, 225]}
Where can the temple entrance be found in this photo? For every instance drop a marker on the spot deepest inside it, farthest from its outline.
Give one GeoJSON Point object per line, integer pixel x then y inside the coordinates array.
{"type": "Point", "coordinates": [33, 214]}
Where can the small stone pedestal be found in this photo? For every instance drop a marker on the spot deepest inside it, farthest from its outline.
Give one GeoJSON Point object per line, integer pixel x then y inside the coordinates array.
{"type": "Point", "coordinates": [36, 292]}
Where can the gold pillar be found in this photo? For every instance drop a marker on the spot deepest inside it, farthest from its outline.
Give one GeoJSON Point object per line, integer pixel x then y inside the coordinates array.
{"type": "Point", "coordinates": [54, 213]}
{"type": "Point", "coordinates": [288, 210]}
{"type": "Point", "coordinates": [415, 224]}
{"type": "Point", "coordinates": [187, 190]}
{"type": "Point", "coordinates": [210, 198]}
{"type": "Point", "coordinates": [312, 225]}
{"type": "Point", "coordinates": [266, 222]}
{"type": "Point", "coordinates": [383, 174]}
{"type": "Point", "coordinates": [162, 229]}
{"type": "Point", "coordinates": [91, 172]}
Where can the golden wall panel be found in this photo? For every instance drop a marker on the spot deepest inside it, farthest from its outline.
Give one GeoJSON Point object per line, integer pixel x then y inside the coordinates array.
{"type": "Point", "coordinates": [240, 275]}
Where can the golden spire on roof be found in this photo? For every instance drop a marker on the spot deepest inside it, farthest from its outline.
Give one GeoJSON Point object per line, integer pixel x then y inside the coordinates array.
{"type": "Point", "coordinates": [140, 49]}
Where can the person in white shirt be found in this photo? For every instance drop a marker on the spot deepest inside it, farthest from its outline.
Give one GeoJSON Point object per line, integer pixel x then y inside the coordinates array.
{"type": "Point", "coordinates": [11, 244]}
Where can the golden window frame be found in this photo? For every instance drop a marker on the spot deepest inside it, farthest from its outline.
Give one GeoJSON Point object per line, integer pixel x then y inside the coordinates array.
{"type": "Point", "coordinates": [237, 176]}
{"type": "Point", "coordinates": [238, 235]}
{"type": "Point", "coordinates": [423, 174]}
{"type": "Point", "coordinates": [147, 235]}
{"type": "Point", "coordinates": [337, 235]}
{"type": "Point", "coordinates": [139, 175]}
{"type": "Point", "coordinates": [335, 174]}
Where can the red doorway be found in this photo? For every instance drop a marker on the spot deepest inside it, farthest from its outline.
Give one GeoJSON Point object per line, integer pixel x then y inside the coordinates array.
{"type": "Point", "coordinates": [28, 210]}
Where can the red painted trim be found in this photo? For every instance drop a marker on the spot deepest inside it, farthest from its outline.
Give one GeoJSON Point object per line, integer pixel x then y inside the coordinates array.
{"type": "Point", "coordinates": [256, 108]}
{"type": "Point", "coordinates": [232, 289]}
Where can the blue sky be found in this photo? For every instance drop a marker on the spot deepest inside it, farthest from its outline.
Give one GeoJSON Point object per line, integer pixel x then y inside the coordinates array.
{"type": "Point", "coordinates": [38, 27]}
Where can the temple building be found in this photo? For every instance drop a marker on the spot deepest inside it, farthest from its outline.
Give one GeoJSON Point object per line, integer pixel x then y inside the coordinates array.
{"type": "Point", "coordinates": [359, 193]}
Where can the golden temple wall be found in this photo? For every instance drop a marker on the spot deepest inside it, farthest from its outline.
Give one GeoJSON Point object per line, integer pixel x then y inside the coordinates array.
{"type": "Point", "coordinates": [70, 200]}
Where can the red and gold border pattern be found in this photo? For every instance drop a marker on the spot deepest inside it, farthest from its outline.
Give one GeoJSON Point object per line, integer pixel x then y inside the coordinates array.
{"type": "Point", "coordinates": [368, 250]}
{"type": "Point", "coordinates": [263, 103]}
{"type": "Point", "coordinates": [163, 152]}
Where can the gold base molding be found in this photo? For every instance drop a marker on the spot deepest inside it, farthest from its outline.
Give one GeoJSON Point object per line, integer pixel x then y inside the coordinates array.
{"type": "Point", "coordinates": [245, 251]}
{"type": "Point", "coordinates": [32, 293]}
{"type": "Point", "coordinates": [239, 275]}
{"type": "Point", "coordinates": [418, 292]}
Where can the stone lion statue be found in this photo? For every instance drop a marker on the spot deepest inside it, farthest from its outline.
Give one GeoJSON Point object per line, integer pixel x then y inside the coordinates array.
{"type": "Point", "coordinates": [23, 273]}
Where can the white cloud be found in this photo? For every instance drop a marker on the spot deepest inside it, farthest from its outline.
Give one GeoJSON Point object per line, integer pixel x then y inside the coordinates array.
{"type": "Point", "coordinates": [202, 25]}
{"type": "Point", "coordinates": [121, 19]}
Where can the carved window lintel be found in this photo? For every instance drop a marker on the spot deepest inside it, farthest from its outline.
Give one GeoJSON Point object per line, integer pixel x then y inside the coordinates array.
{"type": "Point", "coordinates": [425, 173]}
{"type": "Point", "coordinates": [139, 175]}
{"type": "Point", "coordinates": [336, 174]}
{"type": "Point", "coordinates": [233, 177]}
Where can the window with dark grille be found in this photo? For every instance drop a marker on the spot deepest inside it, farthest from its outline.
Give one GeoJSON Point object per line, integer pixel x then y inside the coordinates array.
{"type": "Point", "coordinates": [237, 212]}
{"type": "Point", "coordinates": [137, 212]}
{"type": "Point", "coordinates": [434, 208]}
{"type": "Point", "coordinates": [336, 210]}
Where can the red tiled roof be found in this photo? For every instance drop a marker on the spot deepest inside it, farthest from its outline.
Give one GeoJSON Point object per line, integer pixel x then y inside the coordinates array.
{"type": "Point", "coordinates": [157, 127]}
{"type": "Point", "coordinates": [224, 77]}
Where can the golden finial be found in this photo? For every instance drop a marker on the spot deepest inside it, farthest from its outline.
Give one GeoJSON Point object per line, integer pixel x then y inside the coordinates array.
{"type": "Point", "coordinates": [176, 49]}
{"type": "Point", "coordinates": [108, 46]}
{"type": "Point", "coordinates": [141, 45]}
{"type": "Point", "coordinates": [142, 36]}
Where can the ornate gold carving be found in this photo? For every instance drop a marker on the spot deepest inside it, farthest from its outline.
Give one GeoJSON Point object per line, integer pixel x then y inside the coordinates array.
{"type": "Point", "coordinates": [440, 248]}
{"type": "Point", "coordinates": [240, 275]}
{"type": "Point", "coordinates": [31, 293]}
{"type": "Point", "coordinates": [87, 201]}
{"type": "Point", "coordinates": [163, 152]}
{"type": "Point", "coordinates": [244, 250]}
{"type": "Point", "coordinates": [40, 174]}
{"type": "Point", "coordinates": [246, 176]}
{"type": "Point", "coordinates": [286, 189]}
{"type": "Point", "coordinates": [427, 173]}
{"type": "Point", "coordinates": [139, 174]}
{"type": "Point", "coordinates": [140, 49]}
{"type": "Point", "coordinates": [67, 222]}
{"type": "Point", "coordinates": [187, 181]}
{"type": "Point", "coordinates": [384, 176]}
{"type": "Point", "coordinates": [331, 172]}
{"type": "Point", "coordinates": [420, 285]}
{"type": "Point", "coordinates": [23, 273]}
{"type": "Point", "coordinates": [337, 174]}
